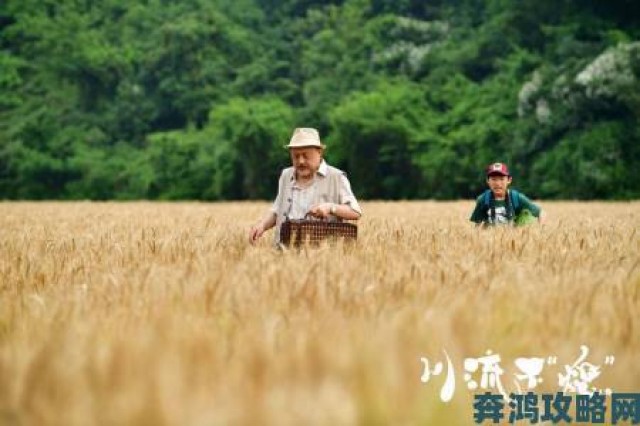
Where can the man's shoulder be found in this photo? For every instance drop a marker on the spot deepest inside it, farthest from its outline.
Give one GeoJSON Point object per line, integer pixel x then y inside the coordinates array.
{"type": "Point", "coordinates": [286, 172]}
{"type": "Point", "coordinates": [335, 170]}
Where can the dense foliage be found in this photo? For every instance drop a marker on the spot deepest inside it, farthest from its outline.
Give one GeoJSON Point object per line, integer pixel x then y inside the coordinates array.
{"type": "Point", "coordinates": [194, 99]}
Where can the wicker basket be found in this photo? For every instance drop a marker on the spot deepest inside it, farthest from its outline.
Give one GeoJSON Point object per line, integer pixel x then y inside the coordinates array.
{"type": "Point", "coordinates": [297, 232]}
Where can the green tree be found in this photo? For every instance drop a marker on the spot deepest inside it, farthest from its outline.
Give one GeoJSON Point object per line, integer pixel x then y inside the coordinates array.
{"type": "Point", "coordinates": [375, 138]}
{"type": "Point", "coordinates": [252, 134]}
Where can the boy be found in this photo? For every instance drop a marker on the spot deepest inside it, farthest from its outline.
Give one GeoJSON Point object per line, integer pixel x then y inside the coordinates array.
{"type": "Point", "coordinates": [500, 205]}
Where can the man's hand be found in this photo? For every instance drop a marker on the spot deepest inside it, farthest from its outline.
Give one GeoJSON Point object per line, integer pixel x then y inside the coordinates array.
{"type": "Point", "coordinates": [266, 223]}
{"type": "Point", "coordinates": [256, 232]}
{"type": "Point", "coordinates": [322, 210]}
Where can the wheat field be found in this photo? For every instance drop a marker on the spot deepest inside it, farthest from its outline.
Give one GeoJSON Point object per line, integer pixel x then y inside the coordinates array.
{"type": "Point", "coordinates": [162, 314]}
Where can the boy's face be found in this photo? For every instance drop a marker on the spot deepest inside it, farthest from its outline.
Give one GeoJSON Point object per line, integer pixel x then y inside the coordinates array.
{"type": "Point", "coordinates": [499, 185]}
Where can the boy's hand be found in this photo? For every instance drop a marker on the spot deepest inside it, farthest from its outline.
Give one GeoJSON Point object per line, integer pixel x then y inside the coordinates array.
{"type": "Point", "coordinates": [541, 217]}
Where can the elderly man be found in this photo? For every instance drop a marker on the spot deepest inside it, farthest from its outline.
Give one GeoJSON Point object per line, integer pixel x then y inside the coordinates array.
{"type": "Point", "coordinates": [311, 187]}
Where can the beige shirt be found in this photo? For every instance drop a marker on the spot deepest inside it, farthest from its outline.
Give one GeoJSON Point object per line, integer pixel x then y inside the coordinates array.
{"type": "Point", "coordinates": [330, 185]}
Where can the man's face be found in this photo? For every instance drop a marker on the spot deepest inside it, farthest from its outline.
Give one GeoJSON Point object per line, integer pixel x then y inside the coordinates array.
{"type": "Point", "coordinates": [306, 161]}
{"type": "Point", "coordinates": [499, 184]}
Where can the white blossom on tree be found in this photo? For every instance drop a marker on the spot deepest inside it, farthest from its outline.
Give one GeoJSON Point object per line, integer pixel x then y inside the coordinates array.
{"type": "Point", "coordinates": [611, 73]}
{"type": "Point", "coordinates": [527, 94]}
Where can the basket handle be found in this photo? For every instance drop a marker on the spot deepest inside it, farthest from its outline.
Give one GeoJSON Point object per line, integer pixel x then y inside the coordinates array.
{"type": "Point", "coordinates": [309, 216]}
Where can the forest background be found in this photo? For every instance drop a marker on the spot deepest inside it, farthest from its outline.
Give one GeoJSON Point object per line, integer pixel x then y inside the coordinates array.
{"type": "Point", "coordinates": [194, 99]}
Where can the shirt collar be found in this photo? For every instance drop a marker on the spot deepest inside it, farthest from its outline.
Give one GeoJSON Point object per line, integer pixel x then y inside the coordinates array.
{"type": "Point", "coordinates": [322, 170]}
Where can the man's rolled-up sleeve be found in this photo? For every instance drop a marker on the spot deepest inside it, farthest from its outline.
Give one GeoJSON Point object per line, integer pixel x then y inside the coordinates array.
{"type": "Point", "coordinates": [346, 195]}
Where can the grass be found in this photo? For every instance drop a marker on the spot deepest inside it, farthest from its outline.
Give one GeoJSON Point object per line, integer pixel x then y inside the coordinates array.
{"type": "Point", "coordinates": [162, 314]}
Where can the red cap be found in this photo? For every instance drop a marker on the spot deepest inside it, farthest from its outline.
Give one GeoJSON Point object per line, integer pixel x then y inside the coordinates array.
{"type": "Point", "coordinates": [498, 169]}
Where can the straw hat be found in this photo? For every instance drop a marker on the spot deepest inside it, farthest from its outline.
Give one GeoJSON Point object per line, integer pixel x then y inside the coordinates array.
{"type": "Point", "coordinates": [305, 137]}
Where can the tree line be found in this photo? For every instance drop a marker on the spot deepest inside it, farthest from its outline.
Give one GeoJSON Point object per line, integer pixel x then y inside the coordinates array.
{"type": "Point", "coordinates": [194, 99]}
